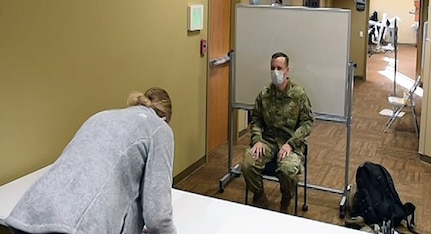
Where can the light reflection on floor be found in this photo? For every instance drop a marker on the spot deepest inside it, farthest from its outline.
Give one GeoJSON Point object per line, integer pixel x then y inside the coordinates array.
{"type": "Point", "coordinates": [401, 79]}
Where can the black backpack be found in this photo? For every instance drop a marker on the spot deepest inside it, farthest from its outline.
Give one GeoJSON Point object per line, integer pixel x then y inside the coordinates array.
{"type": "Point", "coordinates": [377, 200]}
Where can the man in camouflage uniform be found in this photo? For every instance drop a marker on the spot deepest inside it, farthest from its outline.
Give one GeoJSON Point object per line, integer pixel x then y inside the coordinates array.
{"type": "Point", "coordinates": [281, 121]}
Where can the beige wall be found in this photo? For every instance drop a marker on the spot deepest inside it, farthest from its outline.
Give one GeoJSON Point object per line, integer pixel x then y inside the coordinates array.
{"type": "Point", "coordinates": [359, 21]}
{"type": "Point", "coordinates": [62, 61]}
{"type": "Point", "coordinates": [358, 45]}
{"type": "Point", "coordinates": [406, 34]}
{"type": "Point", "coordinates": [242, 120]}
{"type": "Point", "coordinates": [425, 131]}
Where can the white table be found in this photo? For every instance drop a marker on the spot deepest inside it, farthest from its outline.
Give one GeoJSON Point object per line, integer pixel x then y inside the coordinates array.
{"type": "Point", "coordinates": [194, 213]}
{"type": "Point", "coordinates": [197, 214]}
{"type": "Point", "coordinates": [11, 192]}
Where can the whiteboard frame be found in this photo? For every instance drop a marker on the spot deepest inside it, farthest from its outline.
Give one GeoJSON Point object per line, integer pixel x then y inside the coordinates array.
{"type": "Point", "coordinates": [340, 101]}
{"type": "Point", "coordinates": [234, 171]}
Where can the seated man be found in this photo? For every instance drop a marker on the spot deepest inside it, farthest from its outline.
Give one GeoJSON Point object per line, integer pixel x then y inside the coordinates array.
{"type": "Point", "coordinates": [281, 121]}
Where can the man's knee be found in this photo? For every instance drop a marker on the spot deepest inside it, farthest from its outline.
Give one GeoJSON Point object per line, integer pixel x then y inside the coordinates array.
{"type": "Point", "coordinates": [291, 178]}
{"type": "Point", "coordinates": [247, 162]}
{"type": "Point", "coordinates": [251, 167]}
{"type": "Point", "coordinates": [290, 170]}
{"type": "Point", "coordinates": [291, 165]}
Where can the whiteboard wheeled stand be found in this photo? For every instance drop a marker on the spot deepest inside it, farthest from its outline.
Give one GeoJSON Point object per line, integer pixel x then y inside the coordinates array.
{"type": "Point", "coordinates": [235, 171]}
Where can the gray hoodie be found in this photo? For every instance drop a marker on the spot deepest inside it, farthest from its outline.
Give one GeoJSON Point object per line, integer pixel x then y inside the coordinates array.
{"type": "Point", "coordinates": [115, 176]}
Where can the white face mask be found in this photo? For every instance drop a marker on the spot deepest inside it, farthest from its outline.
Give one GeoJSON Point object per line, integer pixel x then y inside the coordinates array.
{"type": "Point", "coordinates": [277, 77]}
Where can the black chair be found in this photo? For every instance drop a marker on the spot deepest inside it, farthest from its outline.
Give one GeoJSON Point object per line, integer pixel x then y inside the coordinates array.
{"type": "Point", "coordinates": [269, 174]}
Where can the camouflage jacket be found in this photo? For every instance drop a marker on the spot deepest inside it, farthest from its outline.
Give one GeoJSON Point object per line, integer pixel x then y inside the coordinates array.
{"type": "Point", "coordinates": [282, 116]}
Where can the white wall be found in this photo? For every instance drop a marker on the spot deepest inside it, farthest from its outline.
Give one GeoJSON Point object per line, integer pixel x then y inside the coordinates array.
{"type": "Point", "coordinates": [400, 8]}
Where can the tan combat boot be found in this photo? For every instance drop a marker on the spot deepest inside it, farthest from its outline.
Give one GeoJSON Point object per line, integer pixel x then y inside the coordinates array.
{"type": "Point", "coordinates": [285, 202]}
{"type": "Point", "coordinates": [260, 200]}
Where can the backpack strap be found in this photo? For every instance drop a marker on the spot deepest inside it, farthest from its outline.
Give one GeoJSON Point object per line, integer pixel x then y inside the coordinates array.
{"type": "Point", "coordinates": [391, 185]}
{"type": "Point", "coordinates": [409, 210]}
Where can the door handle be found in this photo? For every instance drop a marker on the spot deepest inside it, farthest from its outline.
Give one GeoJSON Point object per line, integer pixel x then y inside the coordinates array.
{"type": "Point", "coordinates": [219, 61]}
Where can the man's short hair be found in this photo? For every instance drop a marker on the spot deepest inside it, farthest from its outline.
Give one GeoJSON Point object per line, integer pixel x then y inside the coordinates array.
{"type": "Point", "coordinates": [281, 54]}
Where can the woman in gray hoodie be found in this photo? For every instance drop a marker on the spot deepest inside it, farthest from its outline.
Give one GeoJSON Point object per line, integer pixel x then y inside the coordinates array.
{"type": "Point", "coordinates": [115, 175]}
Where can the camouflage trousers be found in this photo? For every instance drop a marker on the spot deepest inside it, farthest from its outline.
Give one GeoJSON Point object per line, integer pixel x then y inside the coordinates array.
{"type": "Point", "coordinates": [288, 169]}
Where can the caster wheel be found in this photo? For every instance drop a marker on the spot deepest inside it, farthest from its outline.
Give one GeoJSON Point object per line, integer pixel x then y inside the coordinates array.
{"type": "Point", "coordinates": [305, 207]}
{"type": "Point", "coordinates": [342, 214]}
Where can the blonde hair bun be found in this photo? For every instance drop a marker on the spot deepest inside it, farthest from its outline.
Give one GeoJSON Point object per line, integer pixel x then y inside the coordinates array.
{"type": "Point", "coordinates": [137, 98]}
{"type": "Point", "coordinates": [156, 98]}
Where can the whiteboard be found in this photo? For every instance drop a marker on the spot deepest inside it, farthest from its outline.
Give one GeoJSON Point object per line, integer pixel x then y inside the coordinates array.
{"type": "Point", "coordinates": [317, 41]}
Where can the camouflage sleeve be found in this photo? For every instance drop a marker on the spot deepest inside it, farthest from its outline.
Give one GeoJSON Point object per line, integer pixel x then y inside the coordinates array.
{"type": "Point", "coordinates": [305, 123]}
{"type": "Point", "coordinates": [256, 121]}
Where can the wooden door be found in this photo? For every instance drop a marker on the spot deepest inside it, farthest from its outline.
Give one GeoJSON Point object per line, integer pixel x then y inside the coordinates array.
{"type": "Point", "coordinates": [218, 89]}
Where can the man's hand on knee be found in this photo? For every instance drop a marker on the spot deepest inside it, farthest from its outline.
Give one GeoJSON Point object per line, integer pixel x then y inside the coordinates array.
{"type": "Point", "coordinates": [284, 151]}
{"type": "Point", "coordinates": [258, 150]}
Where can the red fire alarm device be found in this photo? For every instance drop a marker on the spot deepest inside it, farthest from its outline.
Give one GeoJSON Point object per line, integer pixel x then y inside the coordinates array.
{"type": "Point", "coordinates": [203, 47]}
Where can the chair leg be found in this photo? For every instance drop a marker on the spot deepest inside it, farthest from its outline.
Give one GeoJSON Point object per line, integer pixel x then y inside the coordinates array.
{"type": "Point", "coordinates": [393, 118]}
{"type": "Point", "coordinates": [415, 120]}
{"type": "Point", "coordinates": [296, 199]}
{"type": "Point", "coordinates": [246, 194]}
{"type": "Point", "coordinates": [305, 206]}
{"type": "Point", "coordinates": [390, 121]}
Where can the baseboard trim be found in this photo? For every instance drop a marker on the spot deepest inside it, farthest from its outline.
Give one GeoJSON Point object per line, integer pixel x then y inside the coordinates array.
{"type": "Point", "coordinates": [243, 132]}
{"type": "Point", "coordinates": [189, 170]}
{"type": "Point", "coordinates": [410, 44]}
{"type": "Point", "coordinates": [425, 158]}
